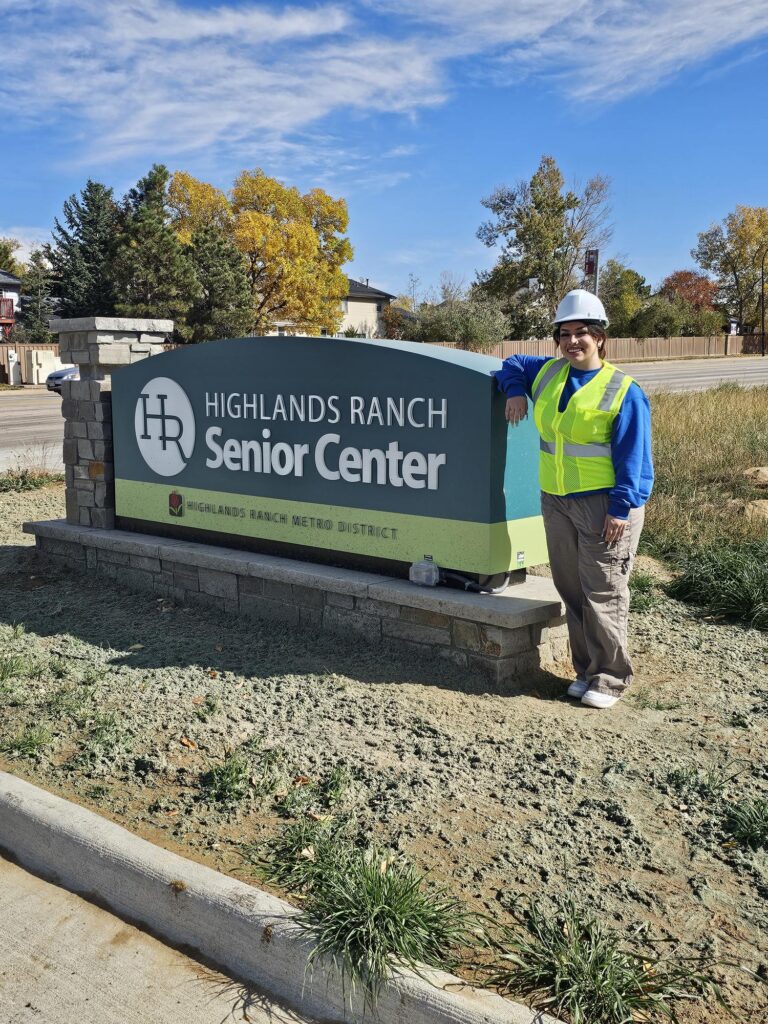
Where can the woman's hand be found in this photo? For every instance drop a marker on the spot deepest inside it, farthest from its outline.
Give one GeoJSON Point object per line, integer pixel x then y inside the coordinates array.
{"type": "Point", "coordinates": [516, 409]}
{"type": "Point", "coordinates": [613, 529]}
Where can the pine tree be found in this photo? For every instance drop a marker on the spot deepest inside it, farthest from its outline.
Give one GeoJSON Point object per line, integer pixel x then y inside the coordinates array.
{"type": "Point", "coordinates": [153, 275]}
{"type": "Point", "coordinates": [222, 308]}
{"type": "Point", "coordinates": [82, 254]}
{"type": "Point", "coordinates": [37, 304]}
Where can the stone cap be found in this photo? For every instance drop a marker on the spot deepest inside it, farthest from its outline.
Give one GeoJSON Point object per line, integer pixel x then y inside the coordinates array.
{"type": "Point", "coordinates": [110, 323]}
{"type": "Point", "coordinates": [531, 603]}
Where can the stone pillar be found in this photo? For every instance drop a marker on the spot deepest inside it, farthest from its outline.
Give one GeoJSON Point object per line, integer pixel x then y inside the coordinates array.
{"type": "Point", "coordinates": [98, 345]}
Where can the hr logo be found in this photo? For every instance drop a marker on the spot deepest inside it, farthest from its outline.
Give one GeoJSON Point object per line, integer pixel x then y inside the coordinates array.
{"type": "Point", "coordinates": [165, 426]}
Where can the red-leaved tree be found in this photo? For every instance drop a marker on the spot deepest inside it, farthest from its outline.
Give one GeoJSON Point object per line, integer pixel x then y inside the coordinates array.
{"type": "Point", "coordinates": [694, 288]}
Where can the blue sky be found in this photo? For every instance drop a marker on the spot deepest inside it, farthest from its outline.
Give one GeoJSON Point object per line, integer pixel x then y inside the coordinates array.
{"type": "Point", "coordinates": [413, 112]}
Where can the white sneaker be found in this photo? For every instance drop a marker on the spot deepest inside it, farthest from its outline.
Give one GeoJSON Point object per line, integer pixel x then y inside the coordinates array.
{"type": "Point", "coordinates": [578, 688]}
{"type": "Point", "coordinates": [595, 699]}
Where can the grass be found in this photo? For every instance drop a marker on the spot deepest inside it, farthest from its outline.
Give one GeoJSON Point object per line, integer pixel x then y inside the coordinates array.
{"type": "Point", "coordinates": [208, 709]}
{"type": "Point", "coordinates": [58, 668]}
{"type": "Point", "coordinates": [75, 702]}
{"type": "Point", "coordinates": [302, 852]}
{"type": "Point", "coordinates": [576, 968]}
{"type": "Point", "coordinates": [12, 666]}
{"type": "Point", "coordinates": [645, 697]}
{"type": "Point", "coordinates": [709, 783]}
{"type": "Point", "coordinates": [696, 478]}
{"type": "Point", "coordinates": [27, 743]}
{"type": "Point", "coordinates": [747, 822]}
{"type": "Point", "coordinates": [729, 580]}
{"type": "Point", "coordinates": [19, 479]}
{"type": "Point", "coordinates": [104, 740]}
{"type": "Point", "coordinates": [643, 591]}
{"type": "Point", "coordinates": [228, 782]}
{"type": "Point", "coordinates": [695, 518]}
{"type": "Point", "coordinates": [322, 794]}
{"type": "Point", "coordinates": [374, 912]}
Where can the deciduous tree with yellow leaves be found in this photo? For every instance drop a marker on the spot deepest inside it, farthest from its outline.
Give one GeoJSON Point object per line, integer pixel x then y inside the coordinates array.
{"type": "Point", "coordinates": [293, 244]}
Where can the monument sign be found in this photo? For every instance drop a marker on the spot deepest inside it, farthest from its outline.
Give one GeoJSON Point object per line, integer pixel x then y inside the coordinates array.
{"type": "Point", "coordinates": [318, 447]}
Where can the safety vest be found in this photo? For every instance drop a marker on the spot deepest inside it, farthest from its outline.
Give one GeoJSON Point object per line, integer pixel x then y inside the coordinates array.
{"type": "Point", "coordinates": [575, 445]}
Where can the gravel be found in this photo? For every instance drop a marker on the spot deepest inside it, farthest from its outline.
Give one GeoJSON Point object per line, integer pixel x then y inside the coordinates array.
{"type": "Point", "coordinates": [525, 793]}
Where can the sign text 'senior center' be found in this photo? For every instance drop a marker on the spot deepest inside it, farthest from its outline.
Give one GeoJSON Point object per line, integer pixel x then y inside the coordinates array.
{"type": "Point", "coordinates": [388, 465]}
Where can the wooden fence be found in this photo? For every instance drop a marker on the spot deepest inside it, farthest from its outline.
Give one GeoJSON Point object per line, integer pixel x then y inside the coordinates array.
{"type": "Point", "coordinates": [21, 352]}
{"type": "Point", "coordinates": [635, 350]}
{"type": "Point", "coordinates": [626, 350]}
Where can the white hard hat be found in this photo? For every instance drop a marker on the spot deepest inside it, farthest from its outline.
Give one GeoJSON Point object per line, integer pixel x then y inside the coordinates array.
{"type": "Point", "coordinates": [581, 305]}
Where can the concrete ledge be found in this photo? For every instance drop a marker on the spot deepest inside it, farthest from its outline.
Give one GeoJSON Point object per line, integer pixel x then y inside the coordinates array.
{"type": "Point", "coordinates": [528, 602]}
{"type": "Point", "coordinates": [250, 933]}
{"type": "Point", "coordinates": [505, 635]}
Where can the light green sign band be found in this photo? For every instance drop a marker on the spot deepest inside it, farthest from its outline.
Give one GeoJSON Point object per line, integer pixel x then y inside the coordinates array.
{"type": "Point", "coordinates": [466, 546]}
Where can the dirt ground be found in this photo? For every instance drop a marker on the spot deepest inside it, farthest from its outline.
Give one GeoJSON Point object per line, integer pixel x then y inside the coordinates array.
{"type": "Point", "coordinates": [526, 792]}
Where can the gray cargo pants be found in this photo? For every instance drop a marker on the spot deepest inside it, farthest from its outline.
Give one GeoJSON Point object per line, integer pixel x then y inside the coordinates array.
{"type": "Point", "coordinates": [593, 581]}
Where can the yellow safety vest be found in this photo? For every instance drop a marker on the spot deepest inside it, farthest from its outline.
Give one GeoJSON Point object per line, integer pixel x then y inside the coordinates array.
{"type": "Point", "coordinates": [575, 445]}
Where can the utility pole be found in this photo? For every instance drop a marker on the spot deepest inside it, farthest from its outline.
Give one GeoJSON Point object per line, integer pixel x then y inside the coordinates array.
{"type": "Point", "coordinates": [762, 303]}
{"type": "Point", "coordinates": [591, 258]}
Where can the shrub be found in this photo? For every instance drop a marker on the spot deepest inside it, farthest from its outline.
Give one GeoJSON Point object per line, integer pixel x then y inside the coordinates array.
{"type": "Point", "coordinates": [728, 580]}
{"type": "Point", "coordinates": [576, 968]}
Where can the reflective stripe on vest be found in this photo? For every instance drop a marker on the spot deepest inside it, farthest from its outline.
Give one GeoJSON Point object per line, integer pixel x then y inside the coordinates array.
{"type": "Point", "coordinates": [580, 451]}
{"type": "Point", "coordinates": [575, 445]}
{"type": "Point", "coordinates": [552, 370]}
{"type": "Point", "coordinates": [611, 390]}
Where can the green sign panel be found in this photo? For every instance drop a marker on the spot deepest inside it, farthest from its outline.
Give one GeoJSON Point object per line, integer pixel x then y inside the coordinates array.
{"type": "Point", "coordinates": [386, 450]}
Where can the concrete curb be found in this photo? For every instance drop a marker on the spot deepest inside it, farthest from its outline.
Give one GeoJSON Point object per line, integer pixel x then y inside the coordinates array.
{"type": "Point", "coordinates": [250, 933]}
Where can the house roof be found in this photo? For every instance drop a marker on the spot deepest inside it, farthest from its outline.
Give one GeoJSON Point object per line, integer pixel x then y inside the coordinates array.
{"type": "Point", "coordinates": [9, 279]}
{"type": "Point", "coordinates": [362, 290]}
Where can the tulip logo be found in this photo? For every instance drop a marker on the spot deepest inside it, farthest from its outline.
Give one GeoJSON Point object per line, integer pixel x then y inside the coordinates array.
{"type": "Point", "coordinates": [176, 504]}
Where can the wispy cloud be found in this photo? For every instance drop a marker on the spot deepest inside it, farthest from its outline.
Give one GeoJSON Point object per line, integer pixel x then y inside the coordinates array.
{"type": "Point", "coordinates": [30, 238]}
{"type": "Point", "coordinates": [149, 77]}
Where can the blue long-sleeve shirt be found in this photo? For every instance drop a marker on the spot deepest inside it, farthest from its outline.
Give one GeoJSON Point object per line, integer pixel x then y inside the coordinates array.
{"type": "Point", "coordinates": [630, 437]}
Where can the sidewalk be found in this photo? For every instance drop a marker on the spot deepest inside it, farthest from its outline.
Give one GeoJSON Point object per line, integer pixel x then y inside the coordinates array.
{"type": "Point", "coordinates": [64, 961]}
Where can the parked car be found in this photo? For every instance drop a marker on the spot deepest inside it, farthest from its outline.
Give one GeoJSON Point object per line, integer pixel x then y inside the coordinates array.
{"type": "Point", "coordinates": [54, 380]}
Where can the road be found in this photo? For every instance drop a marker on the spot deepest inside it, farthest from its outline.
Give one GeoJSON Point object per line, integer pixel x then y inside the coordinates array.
{"type": "Point", "coordinates": [699, 374]}
{"type": "Point", "coordinates": [64, 960]}
{"type": "Point", "coordinates": [31, 427]}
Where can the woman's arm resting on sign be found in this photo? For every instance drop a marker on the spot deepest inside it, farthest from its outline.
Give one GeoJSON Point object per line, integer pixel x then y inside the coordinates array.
{"type": "Point", "coordinates": [516, 409]}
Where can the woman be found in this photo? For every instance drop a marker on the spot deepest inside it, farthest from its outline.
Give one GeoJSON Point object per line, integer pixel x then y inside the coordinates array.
{"type": "Point", "coordinates": [596, 474]}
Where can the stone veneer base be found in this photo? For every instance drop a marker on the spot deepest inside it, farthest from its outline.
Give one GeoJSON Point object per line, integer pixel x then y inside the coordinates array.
{"type": "Point", "coordinates": [505, 635]}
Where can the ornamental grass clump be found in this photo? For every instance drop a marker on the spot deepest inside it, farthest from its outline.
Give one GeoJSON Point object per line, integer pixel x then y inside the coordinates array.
{"type": "Point", "coordinates": [579, 970]}
{"type": "Point", "coordinates": [298, 856]}
{"type": "Point", "coordinates": [729, 580]}
{"type": "Point", "coordinates": [377, 912]}
{"type": "Point", "coordinates": [747, 822]}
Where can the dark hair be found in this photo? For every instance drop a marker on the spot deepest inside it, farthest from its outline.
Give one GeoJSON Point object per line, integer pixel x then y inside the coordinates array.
{"type": "Point", "coordinates": [597, 331]}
